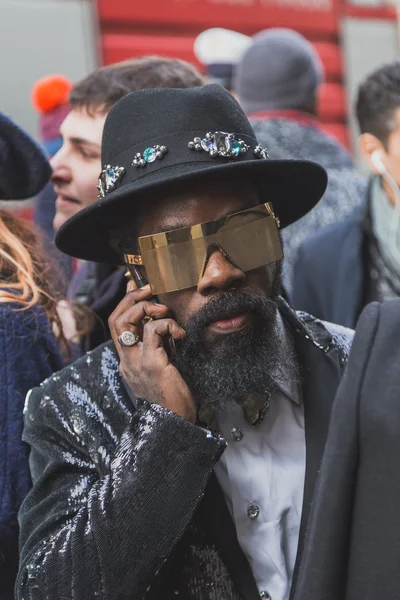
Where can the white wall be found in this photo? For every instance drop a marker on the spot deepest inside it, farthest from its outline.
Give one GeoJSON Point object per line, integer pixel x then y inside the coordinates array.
{"type": "Point", "coordinates": [42, 37]}
{"type": "Point", "coordinates": [367, 44]}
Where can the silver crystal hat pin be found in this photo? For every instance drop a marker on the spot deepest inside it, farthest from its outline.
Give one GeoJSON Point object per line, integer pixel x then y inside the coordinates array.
{"type": "Point", "coordinates": [149, 155]}
{"type": "Point", "coordinates": [226, 145]}
{"type": "Point", "coordinates": [108, 179]}
{"type": "Point", "coordinates": [219, 143]}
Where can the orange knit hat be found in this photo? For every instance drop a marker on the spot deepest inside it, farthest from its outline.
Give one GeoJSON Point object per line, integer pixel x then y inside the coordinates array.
{"type": "Point", "coordinates": [50, 92]}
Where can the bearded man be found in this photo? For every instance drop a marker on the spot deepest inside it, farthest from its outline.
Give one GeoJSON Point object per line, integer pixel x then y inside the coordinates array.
{"type": "Point", "coordinates": [180, 461]}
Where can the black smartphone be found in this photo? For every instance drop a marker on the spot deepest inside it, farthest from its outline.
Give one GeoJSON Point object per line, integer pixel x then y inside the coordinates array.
{"type": "Point", "coordinates": [140, 280]}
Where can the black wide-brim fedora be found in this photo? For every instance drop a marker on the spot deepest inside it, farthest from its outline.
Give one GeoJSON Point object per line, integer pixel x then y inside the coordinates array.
{"type": "Point", "coordinates": [159, 140]}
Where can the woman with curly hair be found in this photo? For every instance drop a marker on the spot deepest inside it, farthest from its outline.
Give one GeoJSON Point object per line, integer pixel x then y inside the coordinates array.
{"type": "Point", "coordinates": [29, 349]}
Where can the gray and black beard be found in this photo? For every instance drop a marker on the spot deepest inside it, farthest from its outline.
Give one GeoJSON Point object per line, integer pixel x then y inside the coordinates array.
{"type": "Point", "coordinates": [246, 362]}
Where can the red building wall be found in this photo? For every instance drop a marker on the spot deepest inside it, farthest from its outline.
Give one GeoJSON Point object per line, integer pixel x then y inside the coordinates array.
{"type": "Point", "coordinates": [169, 27]}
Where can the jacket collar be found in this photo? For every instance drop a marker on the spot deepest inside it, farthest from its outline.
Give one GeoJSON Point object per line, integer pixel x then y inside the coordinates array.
{"type": "Point", "coordinates": [287, 385]}
{"type": "Point", "coordinates": [321, 374]}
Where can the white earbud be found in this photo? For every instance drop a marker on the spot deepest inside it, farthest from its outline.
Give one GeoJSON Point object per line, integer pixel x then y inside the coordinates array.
{"type": "Point", "coordinates": [377, 162]}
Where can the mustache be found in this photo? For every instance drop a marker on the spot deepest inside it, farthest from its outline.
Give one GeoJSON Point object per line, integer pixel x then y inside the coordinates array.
{"type": "Point", "coordinates": [229, 304]}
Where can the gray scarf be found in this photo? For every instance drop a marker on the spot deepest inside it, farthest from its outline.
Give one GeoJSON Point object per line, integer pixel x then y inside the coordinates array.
{"type": "Point", "coordinates": [383, 215]}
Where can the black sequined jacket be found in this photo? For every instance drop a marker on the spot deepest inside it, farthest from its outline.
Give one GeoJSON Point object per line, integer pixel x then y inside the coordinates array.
{"type": "Point", "coordinates": [125, 505]}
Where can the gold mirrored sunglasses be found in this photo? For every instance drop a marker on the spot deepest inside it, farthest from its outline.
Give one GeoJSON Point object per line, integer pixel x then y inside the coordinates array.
{"type": "Point", "coordinates": [176, 260]}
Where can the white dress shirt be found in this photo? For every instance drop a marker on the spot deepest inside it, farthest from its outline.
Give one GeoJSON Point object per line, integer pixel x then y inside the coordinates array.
{"type": "Point", "coordinates": [262, 476]}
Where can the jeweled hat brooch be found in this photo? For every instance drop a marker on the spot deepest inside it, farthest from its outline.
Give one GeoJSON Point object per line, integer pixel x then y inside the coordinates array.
{"type": "Point", "coordinates": [149, 156]}
{"type": "Point", "coordinates": [219, 143]}
{"type": "Point", "coordinates": [108, 179]}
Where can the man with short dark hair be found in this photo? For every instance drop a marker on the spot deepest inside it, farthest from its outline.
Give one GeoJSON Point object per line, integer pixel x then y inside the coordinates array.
{"type": "Point", "coordinates": [131, 496]}
{"type": "Point", "coordinates": [342, 268]}
{"type": "Point", "coordinates": [277, 82]}
{"type": "Point", "coordinates": [77, 165]}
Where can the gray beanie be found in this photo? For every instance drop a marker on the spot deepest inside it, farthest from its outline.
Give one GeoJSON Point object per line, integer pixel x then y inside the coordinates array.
{"type": "Point", "coordinates": [280, 70]}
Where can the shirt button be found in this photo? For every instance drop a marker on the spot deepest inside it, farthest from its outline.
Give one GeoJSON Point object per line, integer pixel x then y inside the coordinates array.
{"type": "Point", "coordinates": [253, 511]}
{"type": "Point", "coordinates": [236, 434]}
{"type": "Point", "coordinates": [265, 595]}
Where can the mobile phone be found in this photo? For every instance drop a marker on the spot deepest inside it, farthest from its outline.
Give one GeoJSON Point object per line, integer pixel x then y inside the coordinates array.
{"type": "Point", "coordinates": [140, 280]}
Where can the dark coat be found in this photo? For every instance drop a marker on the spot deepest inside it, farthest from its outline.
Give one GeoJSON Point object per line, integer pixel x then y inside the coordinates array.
{"type": "Point", "coordinates": [356, 505]}
{"type": "Point", "coordinates": [288, 138]}
{"type": "Point", "coordinates": [329, 276]}
{"type": "Point", "coordinates": [101, 287]}
{"type": "Point", "coordinates": [28, 354]}
{"type": "Point", "coordinates": [125, 504]}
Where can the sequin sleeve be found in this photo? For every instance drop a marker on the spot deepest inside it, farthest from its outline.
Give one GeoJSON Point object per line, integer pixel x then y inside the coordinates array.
{"type": "Point", "coordinates": [114, 490]}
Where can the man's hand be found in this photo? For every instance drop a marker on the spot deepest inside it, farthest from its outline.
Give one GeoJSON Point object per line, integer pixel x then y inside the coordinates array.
{"type": "Point", "coordinates": [146, 367]}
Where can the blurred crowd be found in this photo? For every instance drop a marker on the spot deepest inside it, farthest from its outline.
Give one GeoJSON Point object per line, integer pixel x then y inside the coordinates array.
{"type": "Point", "coordinates": [339, 256]}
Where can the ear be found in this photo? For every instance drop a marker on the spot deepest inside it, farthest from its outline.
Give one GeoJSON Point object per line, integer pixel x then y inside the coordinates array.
{"type": "Point", "coordinates": [369, 144]}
